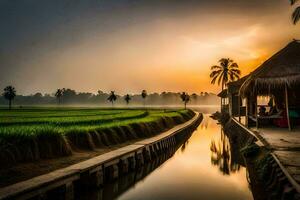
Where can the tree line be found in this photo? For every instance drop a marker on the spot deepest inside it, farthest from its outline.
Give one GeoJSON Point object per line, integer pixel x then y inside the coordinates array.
{"type": "Point", "coordinates": [66, 96]}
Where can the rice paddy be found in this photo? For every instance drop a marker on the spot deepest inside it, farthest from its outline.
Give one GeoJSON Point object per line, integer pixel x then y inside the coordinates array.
{"type": "Point", "coordinates": [36, 133]}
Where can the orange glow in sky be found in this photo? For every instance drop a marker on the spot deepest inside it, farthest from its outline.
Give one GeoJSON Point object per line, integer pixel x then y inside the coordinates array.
{"type": "Point", "coordinates": [171, 49]}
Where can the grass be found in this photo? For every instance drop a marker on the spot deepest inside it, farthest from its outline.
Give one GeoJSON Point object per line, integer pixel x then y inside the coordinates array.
{"type": "Point", "coordinates": [37, 133]}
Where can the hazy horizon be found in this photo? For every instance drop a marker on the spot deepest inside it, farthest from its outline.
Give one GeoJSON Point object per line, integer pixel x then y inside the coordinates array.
{"type": "Point", "coordinates": [128, 46]}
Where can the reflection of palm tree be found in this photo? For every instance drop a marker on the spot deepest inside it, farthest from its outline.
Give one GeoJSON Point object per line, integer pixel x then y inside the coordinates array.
{"type": "Point", "coordinates": [183, 147]}
{"type": "Point", "coordinates": [221, 155]}
{"type": "Point", "coordinates": [204, 123]}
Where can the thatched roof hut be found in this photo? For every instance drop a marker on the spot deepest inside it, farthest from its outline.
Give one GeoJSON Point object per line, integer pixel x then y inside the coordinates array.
{"type": "Point", "coordinates": [223, 94]}
{"type": "Point", "coordinates": [282, 69]}
{"type": "Point", "coordinates": [234, 87]}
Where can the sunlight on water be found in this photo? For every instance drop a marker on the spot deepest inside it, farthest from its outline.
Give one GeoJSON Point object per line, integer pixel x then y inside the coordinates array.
{"type": "Point", "coordinates": [202, 168]}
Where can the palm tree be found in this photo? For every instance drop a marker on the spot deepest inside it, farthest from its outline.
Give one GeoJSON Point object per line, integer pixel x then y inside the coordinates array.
{"type": "Point", "coordinates": [112, 97]}
{"type": "Point", "coordinates": [144, 95]}
{"type": "Point", "coordinates": [59, 94]}
{"type": "Point", "coordinates": [127, 98]}
{"type": "Point", "coordinates": [185, 98]}
{"type": "Point", "coordinates": [9, 94]}
{"type": "Point", "coordinates": [226, 72]}
{"type": "Point", "coordinates": [296, 13]}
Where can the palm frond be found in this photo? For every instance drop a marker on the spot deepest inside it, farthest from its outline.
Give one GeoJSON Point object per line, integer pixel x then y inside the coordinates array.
{"type": "Point", "coordinates": [213, 80]}
{"type": "Point", "coordinates": [215, 73]}
{"type": "Point", "coordinates": [233, 75]}
{"type": "Point", "coordinates": [224, 62]}
{"type": "Point", "coordinates": [233, 65]}
{"type": "Point", "coordinates": [221, 77]}
{"type": "Point", "coordinates": [215, 67]}
{"type": "Point", "coordinates": [296, 15]}
{"type": "Point", "coordinates": [236, 71]}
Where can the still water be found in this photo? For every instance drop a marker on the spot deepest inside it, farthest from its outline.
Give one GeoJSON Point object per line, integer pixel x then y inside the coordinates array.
{"type": "Point", "coordinates": [204, 167]}
{"type": "Point", "coordinates": [200, 169]}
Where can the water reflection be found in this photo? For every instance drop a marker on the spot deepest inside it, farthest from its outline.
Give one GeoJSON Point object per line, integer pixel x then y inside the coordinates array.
{"type": "Point", "coordinates": [221, 155]}
{"type": "Point", "coordinates": [184, 146]}
{"type": "Point", "coordinates": [188, 173]}
{"type": "Point", "coordinates": [114, 189]}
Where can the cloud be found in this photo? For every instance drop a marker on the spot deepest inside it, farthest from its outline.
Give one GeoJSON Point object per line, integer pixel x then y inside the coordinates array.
{"type": "Point", "coordinates": [125, 45]}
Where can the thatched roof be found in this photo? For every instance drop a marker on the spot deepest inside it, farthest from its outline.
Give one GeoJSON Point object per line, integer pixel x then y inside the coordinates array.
{"type": "Point", "coordinates": [234, 87]}
{"type": "Point", "coordinates": [223, 94]}
{"type": "Point", "coordinates": [281, 69]}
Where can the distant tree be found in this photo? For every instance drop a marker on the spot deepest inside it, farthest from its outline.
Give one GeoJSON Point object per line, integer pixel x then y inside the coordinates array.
{"type": "Point", "coordinates": [69, 95]}
{"type": "Point", "coordinates": [195, 96]}
{"type": "Point", "coordinates": [9, 94]}
{"type": "Point", "coordinates": [100, 92]}
{"type": "Point", "coordinates": [38, 95]}
{"type": "Point", "coordinates": [185, 98]}
{"type": "Point", "coordinates": [296, 13]}
{"type": "Point", "coordinates": [127, 98]}
{"type": "Point", "coordinates": [58, 95]}
{"type": "Point", "coordinates": [144, 95]}
{"type": "Point", "coordinates": [226, 72]}
{"type": "Point", "coordinates": [112, 98]}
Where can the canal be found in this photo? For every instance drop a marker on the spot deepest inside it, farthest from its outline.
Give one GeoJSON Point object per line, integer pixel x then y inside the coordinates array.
{"type": "Point", "coordinates": [205, 166]}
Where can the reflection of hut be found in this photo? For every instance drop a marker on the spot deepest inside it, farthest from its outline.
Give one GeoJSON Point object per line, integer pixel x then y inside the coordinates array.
{"type": "Point", "coordinates": [279, 78]}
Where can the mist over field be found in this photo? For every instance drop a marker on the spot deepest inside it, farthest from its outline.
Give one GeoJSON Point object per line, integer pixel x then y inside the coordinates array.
{"type": "Point", "coordinates": [73, 98]}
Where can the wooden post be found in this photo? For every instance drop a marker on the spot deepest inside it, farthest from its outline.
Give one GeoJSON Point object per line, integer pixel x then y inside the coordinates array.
{"type": "Point", "coordinates": [256, 115]}
{"type": "Point", "coordinates": [229, 103]}
{"type": "Point", "coordinates": [287, 107]}
{"type": "Point", "coordinates": [247, 112]}
{"type": "Point", "coordinates": [239, 107]}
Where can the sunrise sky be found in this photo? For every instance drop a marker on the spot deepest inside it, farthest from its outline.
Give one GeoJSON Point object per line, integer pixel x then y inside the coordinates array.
{"type": "Point", "coordinates": [130, 45]}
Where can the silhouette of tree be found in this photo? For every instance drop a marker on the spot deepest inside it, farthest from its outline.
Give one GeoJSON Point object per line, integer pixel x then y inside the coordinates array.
{"type": "Point", "coordinates": [185, 98]}
{"type": "Point", "coordinates": [226, 72]}
{"type": "Point", "coordinates": [69, 95]}
{"type": "Point", "coordinates": [9, 94]}
{"type": "Point", "coordinates": [127, 98]}
{"type": "Point", "coordinates": [58, 95]}
{"type": "Point", "coordinates": [144, 95]}
{"type": "Point", "coordinates": [112, 98]}
{"type": "Point", "coordinates": [296, 13]}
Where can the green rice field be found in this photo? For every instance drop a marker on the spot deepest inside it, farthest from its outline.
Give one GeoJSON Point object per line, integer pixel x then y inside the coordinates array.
{"type": "Point", "coordinates": [37, 133]}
